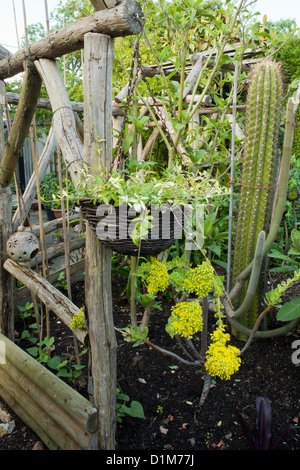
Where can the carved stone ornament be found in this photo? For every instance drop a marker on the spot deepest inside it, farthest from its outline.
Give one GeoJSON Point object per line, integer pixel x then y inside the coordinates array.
{"type": "Point", "coordinates": [22, 246]}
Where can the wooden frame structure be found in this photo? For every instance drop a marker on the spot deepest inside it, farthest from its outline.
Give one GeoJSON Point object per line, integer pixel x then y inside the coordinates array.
{"type": "Point", "coordinates": [58, 414]}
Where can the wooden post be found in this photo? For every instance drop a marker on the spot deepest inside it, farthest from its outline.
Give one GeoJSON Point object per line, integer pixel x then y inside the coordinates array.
{"type": "Point", "coordinates": [21, 125]}
{"type": "Point", "coordinates": [6, 280]}
{"type": "Point", "coordinates": [98, 67]}
{"type": "Point", "coordinates": [64, 125]}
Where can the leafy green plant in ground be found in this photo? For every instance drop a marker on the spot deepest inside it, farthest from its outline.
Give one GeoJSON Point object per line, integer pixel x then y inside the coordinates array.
{"type": "Point", "coordinates": [135, 409]}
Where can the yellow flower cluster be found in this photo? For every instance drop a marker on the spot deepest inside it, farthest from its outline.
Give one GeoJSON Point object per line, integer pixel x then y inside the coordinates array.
{"type": "Point", "coordinates": [222, 360]}
{"type": "Point", "coordinates": [200, 280]}
{"type": "Point", "coordinates": [158, 277]}
{"type": "Point", "coordinates": [185, 320]}
{"type": "Point", "coordinates": [77, 321]}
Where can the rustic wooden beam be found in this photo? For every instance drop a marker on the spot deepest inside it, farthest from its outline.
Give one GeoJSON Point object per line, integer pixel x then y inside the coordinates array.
{"type": "Point", "coordinates": [68, 398]}
{"type": "Point", "coordinates": [8, 393]}
{"type": "Point", "coordinates": [58, 425]}
{"type": "Point", "coordinates": [123, 20]}
{"type": "Point", "coordinates": [98, 68]}
{"type": "Point", "coordinates": [21, 124]}
{"type": "Point", "coordinates": [77, 274]}
{"type": "Point", "coordinates": [55, 251]}
{"type": "Point", "coordinates": [103, 4]}
{"type": "Point", "coordinates": [63, 121]}
{"type": "Point", "coordinates": [44, 103]}
{"type": "Point", "coordinates": [48, 294]}
{"type": "Point", "coordinates": [48, 400]}
{"type": "Point", "coordinates": [52, 225]}
{"type": "Point", "coordinates": [6, 280]}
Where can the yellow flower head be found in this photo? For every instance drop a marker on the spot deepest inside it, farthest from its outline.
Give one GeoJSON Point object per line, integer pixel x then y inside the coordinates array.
{"type": "Point", "coordinates": [200, 280]}
{"type": "Point", "coordinates": [77, 321]}
{"type": "Point", "coordinates": [222, 360]}
{"type": "Point", "coordinates": [158, 277]}
{"type": "Point", "coordinates": [185, 320]}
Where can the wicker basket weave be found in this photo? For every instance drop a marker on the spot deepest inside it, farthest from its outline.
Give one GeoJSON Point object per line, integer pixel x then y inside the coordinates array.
{"type": "Point", "coordinates": [113, 226]}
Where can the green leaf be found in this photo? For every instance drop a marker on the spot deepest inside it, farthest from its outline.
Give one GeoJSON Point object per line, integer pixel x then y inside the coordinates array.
{"type": "Point", "coordinates": [135, 410]}
{"type": "Point", "coordinates": [54, 362]}
{"type": "Point", "coordinates": [33, 351]}
{"type": "Point", "coordinates": [63, 373]}
{"type": "Point", "coordinates": [49, 341]}
{"type": "Point", "coordinates": [295, 236]}
{"type": "Point", "coordinates": [289, 311]}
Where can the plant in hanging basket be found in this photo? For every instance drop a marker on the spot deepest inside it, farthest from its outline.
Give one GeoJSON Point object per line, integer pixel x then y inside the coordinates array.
{"type": "Point", "coordinates": [135, 215]}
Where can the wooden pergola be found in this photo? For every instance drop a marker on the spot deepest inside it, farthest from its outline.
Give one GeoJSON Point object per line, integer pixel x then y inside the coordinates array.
{"type": "Point", "coordinates": [58, 414]}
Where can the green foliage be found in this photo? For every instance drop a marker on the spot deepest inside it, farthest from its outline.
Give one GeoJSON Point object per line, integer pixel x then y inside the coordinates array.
{"type": "Point", "coordinates": [51, 193]}
{"type": "Point", "coordinates": [274, 297]}
{"type": "Point", "coordinates": [135, 410]}
{"type": "Point", "coordinates": [291, 260]}
{"type": "Point", "coordinates": [49, 186]}
{"type": "Point", "coordinates": [288, 55]}
{"type": "Point", "coordinates": [136, 335]}
{"type": "Point", "coordinates": [289, 311]}
{"type": "Point", "coordinates": [174, 187]}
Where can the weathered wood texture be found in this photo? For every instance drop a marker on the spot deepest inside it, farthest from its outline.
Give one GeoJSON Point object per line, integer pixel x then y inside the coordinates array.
{"type": "Point", "coordinates": [63, 121]}
{"type": "Point", "coordinates": [21, 124]}
{"type": "Point", "coordinates": [98, 66]}
{"type": "Point", "coordinates": [77, 275]}
{"type": "Point", "coordinates": [102, 4]}
{"type": "Point", "coordinates": [6, 280]}
{"type": "Point", "coordinates": [44, 103]}
{"type": "Point", "coordinates": [61, 417]}
{"type": "Point", "coordinates": [122, 20]}
{"type": "Point", "coordinates": [48, 294]}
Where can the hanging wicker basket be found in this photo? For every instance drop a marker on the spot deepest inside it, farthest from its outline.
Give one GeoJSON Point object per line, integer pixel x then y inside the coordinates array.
{"type": "Point", "coordinates": [113, 226]}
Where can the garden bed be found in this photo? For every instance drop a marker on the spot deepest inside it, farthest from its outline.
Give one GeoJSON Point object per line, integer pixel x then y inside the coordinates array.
{"type": "Point", "coordinates": [169, 392]}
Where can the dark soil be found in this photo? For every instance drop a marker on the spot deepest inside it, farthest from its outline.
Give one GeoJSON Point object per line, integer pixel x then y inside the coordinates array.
{"type": "Point", "coordinates": [169, 392]}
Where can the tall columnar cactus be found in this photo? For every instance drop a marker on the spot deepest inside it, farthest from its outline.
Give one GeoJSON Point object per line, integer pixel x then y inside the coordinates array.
{"type": "Point", "coordinates": [259, 168]}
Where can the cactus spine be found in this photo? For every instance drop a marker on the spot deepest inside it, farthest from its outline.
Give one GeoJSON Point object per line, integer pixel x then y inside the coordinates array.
{"type": "Point", "coordinates": [259, 168]}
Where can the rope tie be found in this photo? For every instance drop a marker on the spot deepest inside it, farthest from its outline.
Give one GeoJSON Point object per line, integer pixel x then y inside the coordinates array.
{"type": "Point", "coordinates": [61, 107]}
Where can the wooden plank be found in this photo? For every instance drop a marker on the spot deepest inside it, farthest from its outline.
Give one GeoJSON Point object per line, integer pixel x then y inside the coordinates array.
{"type": "Point", "coordinates": [22, 412]}
{"type": "Point", "coordinates": [44, 103]}
{"type": "Point", "coordinates": [62, 423]}
{"type": "Point", "coordinates": [36, 414]}
{"type": "Point", "coordinates": [123, 20]}
{"type": "Point", "coordinates": [98, 68]}
{"type": "Point", "coordinates": [21, 124]}
{"type": "Point", "coordinates": [77, 274]}
{"type": "Point", "coordinates": [81, 409]}
{"type": "Point", "coordinates": [55, 251]}
{"type": "Point", "coordinates": [48, 294]}
{"type": "Point", "coordinates": [63, 121]}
